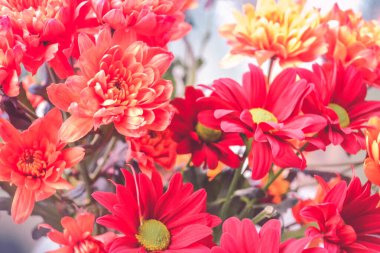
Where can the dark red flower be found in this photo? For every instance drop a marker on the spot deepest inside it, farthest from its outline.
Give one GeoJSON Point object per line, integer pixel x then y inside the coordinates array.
{"type": "Point", "coordinates": [198, 132]}
{"type": "Point", "coordinates": [340, 97]}
{"type": "Point", "coordinates": [348, 218]}
{"type": "Point", "coordinates": [271, 116]}
{"type": "Point", "coordinates": [151, 220]}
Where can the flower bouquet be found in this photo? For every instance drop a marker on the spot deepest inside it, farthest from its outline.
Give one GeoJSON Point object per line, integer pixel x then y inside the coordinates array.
{"type": "Point", "coordinates": [107, 136]}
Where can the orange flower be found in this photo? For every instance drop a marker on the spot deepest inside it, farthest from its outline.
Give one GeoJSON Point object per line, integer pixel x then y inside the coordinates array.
{"type": "Point", "coordinates": [76, 236]}
{"type": "Point", "coordinates": [372, 162]}
{"type": "Point", "coordinates": [354, 41]}
{"type": "Point", "coordinates": [11, 53]}
{"type": "Point", "coordinates": [284, 30]}
{"type": "Point", "coordinates": [120, 83]}
{"type": "Point", "coordinates": [34, 161]}
{"type": "Point", "coordinates": [155, 22]}
{"type": "Point", "coordinates": [154, 148]}
{"type": "Point", "coordinates": [278, 188]}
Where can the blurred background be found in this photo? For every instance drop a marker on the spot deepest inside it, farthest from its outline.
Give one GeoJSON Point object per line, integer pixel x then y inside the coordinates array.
{"type": "Point", "coordinates": [205, 43]}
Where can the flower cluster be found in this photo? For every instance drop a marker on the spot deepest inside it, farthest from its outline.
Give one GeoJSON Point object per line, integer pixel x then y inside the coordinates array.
{"type": "Point", "coordinates": [99, 137]}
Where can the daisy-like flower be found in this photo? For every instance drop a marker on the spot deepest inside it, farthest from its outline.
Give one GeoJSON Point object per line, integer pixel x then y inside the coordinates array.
{"type": "Point", "coordinates": [372, 162]}
{"type": "Point", "coordinates": [198, 132]}
{"type": "Point", "coordinates": [154, 148]}
{"type": "Point", "coordinates": [339, 96]}
{"type": "Point", "coordinates": [120, 83]}
{"type": "Point", "coordinates": [11, 53]}
{"type": "Point", "coordinates": [282, 29]}
{"type": "Point", "coordinates": [34, 161]}
{"type": "Point", "coordinates": [155, 22]}
{"type": "Point", "coordinates": [151, 220]}
{"type": "Point", "coordinates": [76, 236]}
{"type": "Point", "coordinates": [354, 41]}
{"type": "Point", "coordinates": [242, 236]}
{"type": "Point", "coordinates": [270, 116]}
{"type": "Point", "coordinates": [348, 218]}
{"type": "Point", "coordinates": [46, 28]}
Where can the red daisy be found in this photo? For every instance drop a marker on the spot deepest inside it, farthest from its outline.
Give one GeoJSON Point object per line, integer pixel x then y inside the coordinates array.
{"type": "Point", "coordinates": [151, 220]}
{"type": "Point", "coordinates": [348, 218]}
{"type": "Point", "coordinates": [34, 160]}
{"type": "Point", "coordinates": [76, 236]}
{"type": "Point", "coordinates": [270, 116]}
{"type": "Point", "coordinates": [152, 149]}
{"type": "Point", "coordinates": [339, 96]}
{"type": "Point", "coordinates": [198, 132]}
{"type": "Point", "coordinates": [242, 237]}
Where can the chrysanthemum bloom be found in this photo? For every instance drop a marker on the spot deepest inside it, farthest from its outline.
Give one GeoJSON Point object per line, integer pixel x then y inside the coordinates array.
{"type": "Point", "coordinates": [283, 30]}
{"type": "Point", "coordinates": [354, 41]}
{"type": "Point", "coordinates": [120, 83]}
{"type": "Point", "coordinates": [270, 116]}
{"type": "Point", "coordinates": [155, 221]}
{"type": "Point", "coordinates": [348, 218]}
{"type": "Point", "coordinates": [34, 161]}
{"type": "Point", "coordinates": [47, 28]}
{"type": "Point", "coordinates": [76, 236]}
{"type": "Point", "coordinates": [11, 52]}
{"type": "Point", "coordinates": [242, 237]}
{"type": "Point", "coordinates": [339, 96]}
{"type": "Point", "coordinates": [372, 162]}
{"type": "Point", "coordinates": [154, 148]}
{"type": "Point", "coordinates": [198, 132]}
{"type": "Point", "coordinates": [155, 22]}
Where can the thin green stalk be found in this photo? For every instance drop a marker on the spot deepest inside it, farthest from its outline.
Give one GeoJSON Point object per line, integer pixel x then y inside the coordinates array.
{"type": "Point", "coordinates": [272, 179]}
{"type": "Point", "coordinates": [231, 190]}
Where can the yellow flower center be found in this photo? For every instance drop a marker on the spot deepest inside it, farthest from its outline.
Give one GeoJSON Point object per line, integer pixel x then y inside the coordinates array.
{"type": "Point", "coordinates": [207, 134]}
{"type": "Point", "coordinates": [344, 118]}
{"type": "Point", "coordinates": [261, 115]}
{"type": "Point", "coordinates": [153, 235]}
{"type": "Point", "coordinates": [31, 163]}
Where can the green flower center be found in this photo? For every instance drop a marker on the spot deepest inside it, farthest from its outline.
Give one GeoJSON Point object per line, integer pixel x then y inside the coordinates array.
{"type": "Point", "coordinates": [153, 235]}
{"type": "Point", "coordinates": [344, 118]}
{"type": "Point", "coordinates": [261, 115]}
{"type": "Point", "coordinates": [207, 134]}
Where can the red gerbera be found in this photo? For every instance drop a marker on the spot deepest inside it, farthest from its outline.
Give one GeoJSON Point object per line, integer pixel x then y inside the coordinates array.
{"type": "Point", "coordinates": [242, 237]}
{"type": "Point", "coordinates": [154, 221]}
{"type": "Point", "coordinates": [76, 236]}
{"type": "Point", "coordinates": [155, 22]}
{"type": "Point", "coordinates": [339, 96]}
{"type": "Point", "coordinates": [11, 52]}
{"type": "Point", "coordinates": [198, 132]}
{"type": "Point", "coordinates": [348, 218]}
{"type": "Point", "coordinates": [270, 116]}
{"type": "Point", "coordinates": [154, 148]}
{"type": "Point", "coordinates": [120, 83]}
{"type": "Point", "coordinates": [34, 161]}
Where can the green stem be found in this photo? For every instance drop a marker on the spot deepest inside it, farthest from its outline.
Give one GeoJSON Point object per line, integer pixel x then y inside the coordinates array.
{"type": "Point", "coordinates": [272, 179]}
{"type": "Point", "coordinates": [230, 193]}
{"type": "Point", "coordinates": [266, 213]}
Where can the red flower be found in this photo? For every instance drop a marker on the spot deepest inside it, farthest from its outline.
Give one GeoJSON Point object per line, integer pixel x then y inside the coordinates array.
{"type": "Point", "coordinates": [76, 236]}
{"type": "Point", "coordinates": [348, 218]}
{"type": "Point", "coordinates": [154, 221]}
{"type": "Point", "coordinates": [270, 116]}
{"type": "Point", "coordinates": [242, 236]}
{"type": "Point", "coordinates": [34, 161]}
{"type": "Point", "coordinates": [11, 52]}
{"type": "Point", "coordinates": [197, 132]}
{"type": "Point", "coordinates": [120, 83]}
{"type": "Point", "coordinates": [154, 148]}
{"type": "Point", "coordinates": [339, 96]}
{"type": "Point", "coordinates": [155, 22]}
{"type": "Point", "coordinates": [47, 29]}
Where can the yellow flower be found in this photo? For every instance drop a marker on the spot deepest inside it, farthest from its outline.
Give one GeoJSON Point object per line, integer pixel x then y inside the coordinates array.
{"type": "Point", "coordinates": [284, 30]}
